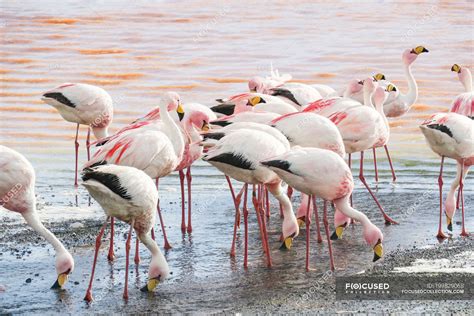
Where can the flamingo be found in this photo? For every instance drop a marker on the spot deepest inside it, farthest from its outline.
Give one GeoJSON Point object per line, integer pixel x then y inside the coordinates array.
{"type": "Point", "coordinates": [451, 135]}
{"type": "Point", "coordinates": [82, 104]}
{"type": "Point", "coordinates": [130, 195]}
{"type": "Point", "coordinates": [157, 150]}
{"type": "Point", "coordinates": [464, 103]}
{"type": "Point", "coordinates": [247, 116]}
{"type": "Point", "coordinates": [297, 94]}
{"type": "Point", "coordinates": [257, 103]}
{"type": "Point", "coordinates": [323, 173]}
{"type": "Point", "coordinates": [228, 106]}
{"type": "Point", "coordinates": [237, 155]}
{"type": "Point", "coordinates": [362, 126]}
{"type": "Point", "coordinates": [17, 194]}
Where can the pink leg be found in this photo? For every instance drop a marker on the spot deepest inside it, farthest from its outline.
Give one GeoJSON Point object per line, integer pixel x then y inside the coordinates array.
{"type": "Point", "coordinates": [98, 241]}
{"type": "Point", "coordinates": [307, 217]}
{"type": "Point", "coordinates": [246, 215]}
{"type": "Point", "coordinates": [111, 255]}
{"type": "Point", "coordinates": [152, 233]}
{"type": "Point", "coordinates": [349, 163]}
{"type": "Point", "coordinates": [316, 218]}
{"type": "Point", "coordinates": [289, 192]}
{"type": "Point", "coordinates": [181, 182]}
{"type": "Point", "coordinates": [458, 199]}
{"type": "Point", "coordinates": [264, 224]}
{"type": "Point", "coordinates": [189, 179]}
{"type": "Point", "coordinates": [461, 189]}
{"type": "Point", "coordinates": [326, 228]}
{"type": "Point", "coordinates": [394, 177]}
{"type": "Point", "coordinates": [267, 202]}
{"type": "Point", "coordinates": [231, 188]}
{"type": "Point", "coordinates": [88, 143]}
{"type": "Point", "coordinates": [281, 211]}
{"type": "Point", "coordinates": [256, 206]}
{"type": "Point", "coordinates": [167, 244]}
{"type": "Point", "coordinates": [236, 221]}
{"type": "Point", "coordinates": [387, 218]}
{"type": "Point", "coordinates": [375, 165]}
{"type": "Point", "coordinates": [137, 251]}
{"type": "Point", "coordinates": [76, 144]}
{"type": "Point", "coordinates": [440, 234]}
{"type": "Point", "coordinates": [127, 263]}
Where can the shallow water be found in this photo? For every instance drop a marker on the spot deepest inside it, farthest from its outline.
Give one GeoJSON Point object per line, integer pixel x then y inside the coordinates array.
{"type": "Point", "coordinates": [138, 50]}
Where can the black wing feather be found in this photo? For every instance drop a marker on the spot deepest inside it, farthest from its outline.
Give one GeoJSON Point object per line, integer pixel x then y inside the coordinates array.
{"type": "Point", "coordinates": [60, 98]}
{"type": "Point", "coordinates": [234, 160]}
{"type": "Point", "coordinates": [109, 180]}
{"type": "Point", "coordinates": [284, 93]}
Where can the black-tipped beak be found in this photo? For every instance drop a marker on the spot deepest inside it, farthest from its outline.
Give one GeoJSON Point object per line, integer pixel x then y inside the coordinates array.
{"type": "Point", "coordinates": [376, 257]}
{"type": "Point", "coordinates": [56, 285]}
{"type": "Point", "coordinates": [450, 227]}
{"type": "Point", "coordinates": [425, 50]}
{"type": "Point", "coordinates": [334, 236]}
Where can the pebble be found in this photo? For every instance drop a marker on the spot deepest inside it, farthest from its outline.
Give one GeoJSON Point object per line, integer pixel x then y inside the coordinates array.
{"type": "Point", "coordinates": [28, 280]}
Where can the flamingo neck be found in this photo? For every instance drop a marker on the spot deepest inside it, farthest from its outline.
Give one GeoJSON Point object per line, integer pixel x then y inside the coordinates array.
{"type": "Point", "coordinates": [157, 258]}
{"type": "Point", "coordinates": [174, 133]}
{"type": "Point", "coordinates": [467, 80]}
{"type": "Point", "coordinates": [345, 208]}
{"type": "Point", "coordinates": [191, 131]}
{"type": "Point", "coordinates": [409, 98]}
{"type": "Point", "coordinates": [32, 219]}
{"type": "Point", "coordinates": [100, 132]}
{"type": "Point", "coordinates": [368, 98]}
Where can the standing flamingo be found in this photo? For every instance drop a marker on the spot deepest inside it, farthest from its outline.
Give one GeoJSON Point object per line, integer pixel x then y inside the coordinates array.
{"type": "Point", "coordinates": [17, 194]}
{"type": "Point", "coordinates": [464, 103]}
{"type": "Point", "coordinates": [130, 195]}
{"type": "Point", "coordinates": [82, 104]}
{"type": "Point", "coordinates": [451, 135]}
{"type": "Point", "coordinates": [237, 155]}
{"type": "Point", "coordinates": [323, 173]}
{"type": "Point", "coordinates": [157, 149]}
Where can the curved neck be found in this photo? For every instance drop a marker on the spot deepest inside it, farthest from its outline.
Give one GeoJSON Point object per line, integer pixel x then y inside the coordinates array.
{"type": "Point", "coordinates": [467, 80]}
{"type": "Point", "coordinates": [175, 134]}
{"type": "Point", "coordinates": [410, 98]}
{"type": "Point", "coordinates": [368, 98]}
{"type": "Point", "coordinates": [157, 258]}
{"type": "Point", "coordinates": [345, 208]}
{"type": "Point", "coordinates": [192, 132]}
{"type": "Point", "coordinates": [33, 220]}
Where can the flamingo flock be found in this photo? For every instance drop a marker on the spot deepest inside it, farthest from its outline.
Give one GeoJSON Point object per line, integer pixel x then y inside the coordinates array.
{"type": "Point", "coordinates": [279, 137]}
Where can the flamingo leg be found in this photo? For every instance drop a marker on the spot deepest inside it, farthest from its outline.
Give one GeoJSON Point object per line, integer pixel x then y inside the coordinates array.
{"type": "Point", "coordinates": [267, 202]}
{"type": "Point", "coordinates": [167, 244]}
{"type": "Point", "coordinates": [387, 218]}
{"type": "Point", "coordinates": [189, 179]}
{"type": "Point", "coordinates": [98, 241]}
{"type": "Point", "coordinates": [231, 188]}
{"type": "Point", "coordinates": [326, 228]}
{"type": "Point", "coordinates": [316, 218]}
{"type": "Point", "coordinates": [127, 258]}
{"type": "Point", "coordinates": [246, 215]}
{"type": "Point", "coordinates": [256, 205]}
{"type": "Point", "coordinates": [440, 234]}
{"type": "Point", "coordinates": [394, 177]}
{"type": "Point", "coordinates": [457, 200]}
{"type": "Point", "coordinates": [461, 189]}
{"type": "Point", "coordinates": [264, 224]}
{"type": "Point", "coordinates": [111, 255]}
{"type": "Point", "coordinates": [181, 182]}
{"type": "Point", "coordinates": [375, 165]}
{"type": "Point", "coordinates": [88, 143]}
{"type": "Point", "coordinates": [137, 251]}
{"type": "Point", "coordinates": [289, 192]}
{"type": "Point", "coordinates": [281, 211]}
{"type": "Point", "coordinates": [237, 221]}
{"type": "Point", "coordinates": [76, 146]}
{"type": "Point", "coordinates": [349, 163]}
{"type": "Point", "coordinates": [307, 221]}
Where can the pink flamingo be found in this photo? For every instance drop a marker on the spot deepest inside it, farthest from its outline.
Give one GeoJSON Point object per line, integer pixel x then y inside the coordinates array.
{"type": "Point", "coordinates": [17, 194]}
{"type": "Point", "coordinates": [130, 195]}
{"type": "Point", "coordinates": [464, 103]}
{"type": "Point", "coordinates": [237, 155]}
{"type": "Point", "coordinates": [269, 103]}
{"type": "Point", "coordinates": [323, 173]}
{"type": "Point", "coordinates": [156, 149]}
{"type": "Point", "coordinates": [82, 104]}
{"type": "Point", "coordinates": [362, 126]}
{"type": "Point", "coordinates": [451, 135]}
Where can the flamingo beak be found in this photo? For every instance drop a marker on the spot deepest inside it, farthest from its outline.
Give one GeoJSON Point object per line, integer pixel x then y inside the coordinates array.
{"type": "Point", "coordinates": [450, 223]}
{"type": "Point", "coordinates": [378, 251]}
{"type": "Point", "coordinates": [205, 127]}
{"type": "Point", "coordinates": [337, 233]}
{"type": "Point", "coordinates": [60, 281]}
{"type": "Point", "coordinates": [151, 285]}
{"type": "Point", "coordinates": [301, 222]}
{"type": "Point", "coordinates": [180, 112]}
{"type": "Point", "coordinates": [287, 243]}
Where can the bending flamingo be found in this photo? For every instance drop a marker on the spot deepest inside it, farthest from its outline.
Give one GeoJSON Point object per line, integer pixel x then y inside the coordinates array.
{"type": "Point", "coordinates": [451, 135]}
{"type": "Point", "coordinates": [130, 195]}
{"type": "Point", "coordinates": [17, 194]}
{"type": "Point", "coordinates": [323, 173]}
{"type": "Point", "coordinates": [82, 104]}
{"type": "Point", "coordinates": [237, 155]}
{"type": "Point", "coordinates": [464, 103]}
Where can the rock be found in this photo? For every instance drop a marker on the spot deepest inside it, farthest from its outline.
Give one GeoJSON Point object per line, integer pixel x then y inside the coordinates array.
{"type": "Point", "coordinates": [28, 280]}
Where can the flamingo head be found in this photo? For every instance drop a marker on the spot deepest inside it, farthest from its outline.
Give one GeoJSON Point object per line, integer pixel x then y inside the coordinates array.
{"type": "Point", "coordinates": [374, 238]}
{"type": "Point", "coordinates": [200, 120]}
{"type": "Point", "coordinates": [157, 272]}
{"type": "Point", "coordinates": [354, 86]}
{"type": "Point", "coordinates": [340, 222]}
{"type": "Point", "coordinates": [64, 266]}
{"type": "Point", "coordinates": [464, 74]}
{"type": "Point", "coordinates": [173, 103]}
{"type": "Point", "coordinates": [257, 84]}
{"type": "Point", "coordinates": [410, 55]}
{"type": "Point", "coordinates": [369, 85]}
